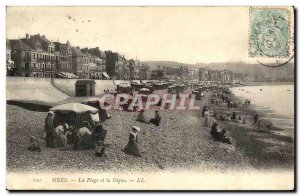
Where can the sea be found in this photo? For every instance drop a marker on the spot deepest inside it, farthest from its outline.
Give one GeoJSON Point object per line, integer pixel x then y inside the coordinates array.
{"type": "Point", "coordinates": [275, 101]}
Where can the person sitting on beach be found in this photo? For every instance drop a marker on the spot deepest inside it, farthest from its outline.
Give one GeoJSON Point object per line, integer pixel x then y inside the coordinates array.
{"type": "Point", "coordinates": [204, 109]}
{"type": "Point", "coordinates": [103, 112]}
{"type": "Point", "coordinates": [233, 116]}
{"type": "Point", "coordinates": [215, 131]}
{"type": "Point", "coordinates": [222, 118]}
{"type": "Point", "coordinates": [84, 137]}
{"type": "Point", "coordinates": [99, 133]}
{"type": "Point", "coordinates": [100, 149]}
{"type": "Point", "coordinates": [269, 127]}
{"type": "Point", "coordinates": [224, 138]}
{"type": "Point", "coordinates": [218, 135]}
{"type": "Point", "coordinates": [132, 147]}
{"type": "Point", "coordinates": [34, 145]}
{"type": "Point", "coordinates": [141, 117]}
{"type": "Point", "coordinates": [60, 140]}
{"type": "Point", "coordinates": [155, 120]}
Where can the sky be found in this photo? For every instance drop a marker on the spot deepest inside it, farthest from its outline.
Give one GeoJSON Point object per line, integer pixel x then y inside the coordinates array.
{"type": "Point", "coordinates": [182, 34]}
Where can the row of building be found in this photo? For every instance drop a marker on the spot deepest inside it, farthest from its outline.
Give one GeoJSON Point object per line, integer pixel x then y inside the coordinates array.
{"type": "Point", "coordinates": [193, 74]}
{"type": "Point", "coordinates": [36, 56]}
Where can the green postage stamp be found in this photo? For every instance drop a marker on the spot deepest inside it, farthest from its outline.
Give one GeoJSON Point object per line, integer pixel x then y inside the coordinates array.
{"type": "Point", "coordinates": [269, 32]}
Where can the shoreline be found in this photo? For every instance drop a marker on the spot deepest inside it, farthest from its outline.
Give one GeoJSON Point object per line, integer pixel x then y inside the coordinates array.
{"type": "Point", "coordinates": [267, 83]}
{"type": "Point", "coordinates": [262, 149]}
{"type": "Point", "coordinates": [272, 114]}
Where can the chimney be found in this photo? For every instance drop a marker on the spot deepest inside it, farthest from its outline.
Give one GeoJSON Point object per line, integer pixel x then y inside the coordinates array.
{"type": "Point", "coordinates": [27, 36]}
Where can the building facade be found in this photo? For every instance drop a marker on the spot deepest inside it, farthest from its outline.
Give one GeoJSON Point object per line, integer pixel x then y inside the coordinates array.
{"type": "Point", "coordinates": [64, 52]}
{"type": "Point", "coordinates": [80, 63]}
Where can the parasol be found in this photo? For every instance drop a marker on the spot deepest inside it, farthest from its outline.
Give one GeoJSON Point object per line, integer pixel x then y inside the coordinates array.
{"type": "Point", "coordinates": [77, 108]}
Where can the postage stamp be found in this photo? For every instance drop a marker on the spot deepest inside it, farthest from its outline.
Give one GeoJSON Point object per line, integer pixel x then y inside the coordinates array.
{"type": "Point", "coordinates": [269, 32]}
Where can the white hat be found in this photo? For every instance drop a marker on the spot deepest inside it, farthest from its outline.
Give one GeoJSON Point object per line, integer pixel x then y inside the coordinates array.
{"type": "Point", "coordinates": [136, 128]}
{"type": "Point", "coordinates": [50, 112]}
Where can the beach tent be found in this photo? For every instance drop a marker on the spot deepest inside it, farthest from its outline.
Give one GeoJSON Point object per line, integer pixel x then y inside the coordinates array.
{"type": "Point", "coordinates": [96, 103]}
{"type": "Point", "coordinates": [144, 89]}
{"type": "Point", "coordinates": [130, 98]}
{"type": "Point", "coordinates": [74, 114]}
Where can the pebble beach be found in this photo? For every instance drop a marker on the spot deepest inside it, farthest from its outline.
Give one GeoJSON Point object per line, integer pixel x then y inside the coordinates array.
{"type": "Point", "coordinates": [181, 142]}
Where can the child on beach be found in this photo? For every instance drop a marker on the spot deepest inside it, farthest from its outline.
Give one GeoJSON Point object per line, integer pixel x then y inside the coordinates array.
{"type": "Point", "coordinates": [34, 145]}
{"type": "Point", "coordinates": [100, 149]}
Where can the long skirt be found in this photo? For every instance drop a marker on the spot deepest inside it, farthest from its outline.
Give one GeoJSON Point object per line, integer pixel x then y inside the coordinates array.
{"type": "Point", "coordinates": [60, 141]}
{"type": "Point", "coordinates": [132, 148]}
{"type": "Point", "coordinates": [206, 121]}
{"type": "Point", "coordinates": [49, 139]}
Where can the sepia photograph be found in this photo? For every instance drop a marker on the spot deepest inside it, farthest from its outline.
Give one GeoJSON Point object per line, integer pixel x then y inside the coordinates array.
{"type": "Point", "coordinates": [150, 98]}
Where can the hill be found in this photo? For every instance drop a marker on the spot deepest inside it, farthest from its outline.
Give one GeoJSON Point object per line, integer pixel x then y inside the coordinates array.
{"type": "Point", "coordinates": [250, 71]}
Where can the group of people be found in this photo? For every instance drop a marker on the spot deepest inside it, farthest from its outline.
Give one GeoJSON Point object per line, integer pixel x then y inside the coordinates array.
{"type": "Point", "coordinates": [107, 91]}
{"type": "Point", "coordinates": [87, 136]}
{"type": "Point", "coordinates": [233, 118]}
{"type": "Point", "coordinates": [65, 137]}
{"type": "Point", "coordinates": [156, 120]}
{"type": "Point", "coordinates": [215, 132]}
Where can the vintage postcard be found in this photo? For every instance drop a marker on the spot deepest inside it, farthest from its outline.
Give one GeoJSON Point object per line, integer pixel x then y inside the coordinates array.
{"type": "Point", "coordinates": [150, 98]}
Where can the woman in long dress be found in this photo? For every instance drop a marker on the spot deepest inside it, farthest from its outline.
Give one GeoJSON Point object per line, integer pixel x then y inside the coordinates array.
{"type": "Point", "coordinates": [132, 147]}
{"type": "Point", "coordinates": [206, 118]}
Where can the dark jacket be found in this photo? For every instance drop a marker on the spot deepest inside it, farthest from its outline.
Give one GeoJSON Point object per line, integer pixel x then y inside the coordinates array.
{"type": "Point", "coordinates": [49, 124]}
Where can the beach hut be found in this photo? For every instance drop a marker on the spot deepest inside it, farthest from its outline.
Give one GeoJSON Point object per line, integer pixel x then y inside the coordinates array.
{"type": "Point", "coordinates": [74, 114]}
{"type": "Point", "coordinates": [98, 104]}
{"type": "Point", "coordinates": [85, 88]}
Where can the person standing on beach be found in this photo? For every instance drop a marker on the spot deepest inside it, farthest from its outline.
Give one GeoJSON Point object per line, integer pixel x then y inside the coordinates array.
{"type": "Point", "coordinates": [49, 129]}
{"type": "Point", "coordinates": [255, 119]}
{"type": "Point", "coordinates": [132, 147]}
{"type": "Point", "coordinates": [233, 116]}
{"type": "Point", "coordinates": [240, 104]}
{"type": "Point", "coordinates": [206, 118]}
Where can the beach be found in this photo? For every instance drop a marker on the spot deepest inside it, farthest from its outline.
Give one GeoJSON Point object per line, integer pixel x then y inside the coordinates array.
{"type": "Point", "coordinates": [180, 142]}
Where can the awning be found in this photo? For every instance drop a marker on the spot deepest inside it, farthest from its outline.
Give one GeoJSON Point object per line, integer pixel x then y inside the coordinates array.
{"type": "Point", "coordinates": [106, 75]}
{"type": "Point", "coordinates": [74, 76]}
{"type": "Point", "coordinates": [60, 75]}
